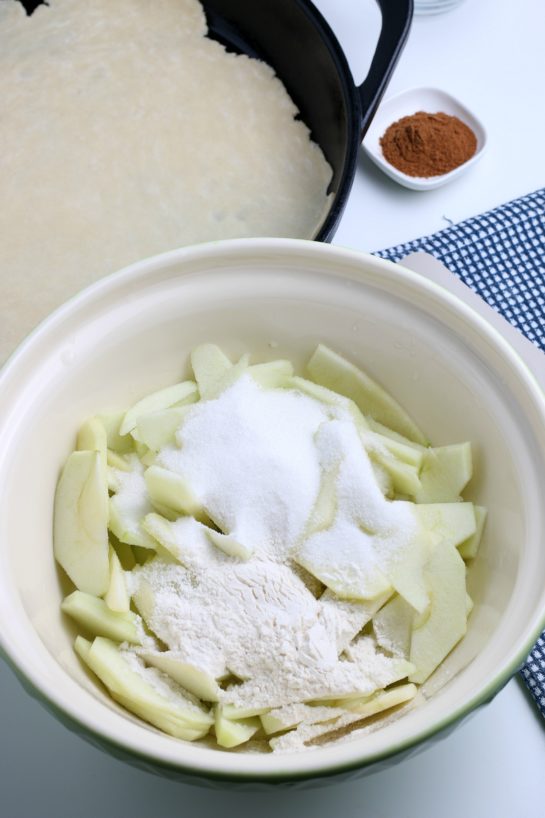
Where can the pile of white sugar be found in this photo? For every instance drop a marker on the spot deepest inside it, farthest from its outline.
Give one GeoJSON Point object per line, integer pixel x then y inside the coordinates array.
{"type": "Point", "coordinates": [256, 459]}
{"type": "Point", "coordinates": [125, 132]}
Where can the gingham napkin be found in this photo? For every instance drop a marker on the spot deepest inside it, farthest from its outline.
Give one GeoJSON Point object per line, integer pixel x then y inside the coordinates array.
{"type": "Point", "coordinates": [501, 256]}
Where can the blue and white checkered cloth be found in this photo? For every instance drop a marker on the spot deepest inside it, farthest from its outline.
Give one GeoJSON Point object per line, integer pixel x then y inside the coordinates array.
{"type": "Point", "coordinates": [501, 256]}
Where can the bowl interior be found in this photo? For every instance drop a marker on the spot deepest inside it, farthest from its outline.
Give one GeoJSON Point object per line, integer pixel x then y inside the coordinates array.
{"type": "Point", "coordinates": [132, 333]}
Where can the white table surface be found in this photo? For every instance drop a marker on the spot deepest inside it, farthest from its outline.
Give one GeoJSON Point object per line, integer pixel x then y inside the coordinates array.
{"type": "Point", "coordinates": [489, 53]}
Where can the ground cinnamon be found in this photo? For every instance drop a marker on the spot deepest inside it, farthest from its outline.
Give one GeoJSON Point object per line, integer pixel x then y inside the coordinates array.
{"type": "Point", "coordinates": [426, 144]}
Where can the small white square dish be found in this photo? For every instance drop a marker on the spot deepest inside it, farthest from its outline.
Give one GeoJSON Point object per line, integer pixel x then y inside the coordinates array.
{"type": "Point", "coordinates": [430, 100]}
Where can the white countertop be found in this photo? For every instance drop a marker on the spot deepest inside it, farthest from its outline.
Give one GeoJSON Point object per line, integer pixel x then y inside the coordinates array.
{"type": "Point", "coordinates": [489, 53]}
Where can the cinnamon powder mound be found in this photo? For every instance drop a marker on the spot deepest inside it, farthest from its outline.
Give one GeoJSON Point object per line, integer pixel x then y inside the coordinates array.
{"type": "Point", "coordinates": [425, 144]}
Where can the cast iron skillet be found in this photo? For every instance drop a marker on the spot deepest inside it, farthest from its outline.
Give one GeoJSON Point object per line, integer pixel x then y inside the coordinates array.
{"type": "Point", "coordinates": [294, 38]}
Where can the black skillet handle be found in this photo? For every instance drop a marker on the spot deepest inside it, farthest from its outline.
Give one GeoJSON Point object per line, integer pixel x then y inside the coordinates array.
{"type": "Point", "coordinates": [396, 22]}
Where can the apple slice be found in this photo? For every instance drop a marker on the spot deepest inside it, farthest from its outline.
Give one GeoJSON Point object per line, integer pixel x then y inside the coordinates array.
{"type": "Point", "coordinates": [92, 438]}
{"type": "Point", "coordinates": [116, 461]}
{"type": "Point", "coordinates": [332, 370]}
{"type": "Point", "coordinates": [233, 733]}
{"type": "Point", "coordinates": [230, 544]}
{"type": "Point", "coordinates": [187, 674]}
{"type": "Point", "coordinates": [403, 476]}
{"type": "Point", "coordinates": [157, 429]}
{"type": "Point", "coordinates": [404, 452]}
{"type": "Point", "coordinates": [327, 397]}
{"type": "Point", "coordinates": [144, 599]}
{"type": "Point", "coordinates": [162, 399]}
{"type": "Point", "coordinates": [116, 597]}
{"type": "Point", "coordinates": [120, 444]}
{"type": "Point", "coordinates": [185, 539]}
{"type": "Point", "coordinates": [343, 715]}
{"type": "Point", "coordinates": [445, 472]}
{"type": "Point", "coordinates": [273, 374]}
{"type": "Point", "coordinates": [393, 626]}
{"type": "Point", "coordinates": [384, 431]}
{"type": "Point", "coordinates": [469, 547]}
{"type": "Point", "coordinates": [290, 715]}
{"type": "Point", "coordinates": [402, 557]}
{"type": "Point", "coordinates": [234, 713]}
{"type": "Point", "coordinates": [383, 700]}
{"type": "Point", "coordinates": [172, 490]}
{"type": "Point", "coordinates": [130, 504]}
{"type": "Point", "coordinates": [449, 523]}
{"type": "Point", "coordinates": [80, 527]}
{"type": "Point", "coordinates": [469, 604]}
{"type": "Point", "coordinates": [209, 364]}
{"type": "Point", "coordinates": [325, 507]}
{"type": "Point", "coordinates": [228, 379]}
{"type": "Point", "coordinates": [129, 688]}
{"type": "Point", "coordinates": [318, 392]}
{"type": "Point", "coordinates": [446, 623]}
{"type": "Point", "coordinates": [350, 570]}
{"type": "Point", "coordinates": [97, 618]}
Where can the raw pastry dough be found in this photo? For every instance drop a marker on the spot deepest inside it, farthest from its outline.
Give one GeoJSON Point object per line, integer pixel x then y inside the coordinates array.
{"type": "Point", "coordinates": [125, 132]}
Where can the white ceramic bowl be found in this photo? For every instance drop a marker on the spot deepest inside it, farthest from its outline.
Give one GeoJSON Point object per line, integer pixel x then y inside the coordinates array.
{"type": "Point", "coordinates": [131, 333]}
{"type": "Point", "coordinates": [431, 100]}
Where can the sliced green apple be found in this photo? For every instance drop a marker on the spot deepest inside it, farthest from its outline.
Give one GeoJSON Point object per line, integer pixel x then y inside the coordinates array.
{"type": "Point", "coordinates": [318, 392]}
{"type": "Point", "coordinates": [144, 599]}
{"type": "Point", "coordinates": [384, 431]}
{"type": "Point", "coordinates": [92, 437]}
{"type": "Point", "coordinates": [450, 523]}
{"type": "Point", "coordinates": [126, 686]}
{"type": "Point", "coordinates": [469, 547]}
{"type": "Point", "coordinates": [393, 626]}
{"type": "Point", "coordinates": [116, 461]}
{"type": "Point", "coordinates": [230, 545]}
{"type": "Point", "coordinates": [402, 560]}
{"type": "Point", "coordinates": [410, 454]}
{"type": "Point", "coordinates": [157, 429]}
{"type": "Point", "coordinates": [446, 623]}
{"type": "Point", "coordinates": [291, 715]}
{"type": "Point", "coordinates": [349, 569]}
{"type": "Point", "coordinates": [187, 674]}
{"type": "Point", "coordinates": [327, 397]}
{"type": "Point", "coordinates": [98, 619]}
{"type": "Point", "coordinates": [469, 604]}
{"type": "Point", "coordinates": [445, 472]}
{"type": "Point", "coordinates": [172, 490]}
{"type": "Point", "coordinates": [234, 713]}
{"type": "Point", "coordinates": [335, 372]}
{"type": "Point", "coordinates": [378, 702]}
{"type": "Point", "coordinates": [162, 399]}
{"type": "Point", "coordinates": [228, 379]}
{"type": "Point", "coordinates": [117, 597]}
{"type": "Point", "coordinates": [80, 527]}
{"type": "Point", "coordinates": [283, 718]}
{"type": "Point", "coordinates": [403, 476]}
{"type": "Point", "coordinates": [129, 505]}
{"type": "Point", "coordinates": [325, 507]}
{"type": "Point", "coordinates": [120, 444]}
{"type": "Point", "coordinates": [233, 733]}
{"type": "Point", "coordinates": [209, 363]}
{"type": "Point", "coordinates": [273, 374]}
